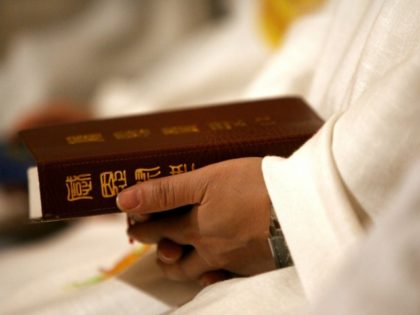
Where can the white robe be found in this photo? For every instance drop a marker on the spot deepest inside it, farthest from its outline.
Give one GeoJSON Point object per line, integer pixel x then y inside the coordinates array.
{"type": "Point", "coordinates": [358, 63]}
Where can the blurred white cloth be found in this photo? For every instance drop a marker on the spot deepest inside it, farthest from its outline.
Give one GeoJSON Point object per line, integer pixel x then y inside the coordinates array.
{"type": "Point", "coordinates": [365, 84]}
{"type": "Point", "coordinates": [215, 63]}
{"type": "Point", "coordinates": [69, 59]}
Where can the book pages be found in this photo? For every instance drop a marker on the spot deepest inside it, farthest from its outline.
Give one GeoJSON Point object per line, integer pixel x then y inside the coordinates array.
{"type": "Point", "coordinates": [39, 277]}
{"type": "Point", "coordinates": [35, 208]}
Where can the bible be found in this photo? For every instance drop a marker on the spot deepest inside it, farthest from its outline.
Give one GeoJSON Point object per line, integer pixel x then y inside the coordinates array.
{"type": "Point", "coordinates": [81, 167]}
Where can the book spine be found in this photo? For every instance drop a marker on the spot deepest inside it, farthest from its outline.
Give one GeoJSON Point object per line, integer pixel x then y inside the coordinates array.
{"type": "Point", "coordinates": [89, 187]}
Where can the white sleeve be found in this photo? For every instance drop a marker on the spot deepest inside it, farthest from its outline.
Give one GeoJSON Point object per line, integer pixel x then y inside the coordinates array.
{"type": "Point", "coordinates": [326, 194]}
{"type": "Point", "coordinates": [381, 278]}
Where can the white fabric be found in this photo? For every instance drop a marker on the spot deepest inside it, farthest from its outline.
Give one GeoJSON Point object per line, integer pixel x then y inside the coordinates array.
{"type": "Point", "coordinates": [363, 78]}
{"type": "Point", "coordinates": [249, 296]}
{"type": "Point", "coordinates": [383, 277]}
{"type": "Point", "coordinates": [350, 169]}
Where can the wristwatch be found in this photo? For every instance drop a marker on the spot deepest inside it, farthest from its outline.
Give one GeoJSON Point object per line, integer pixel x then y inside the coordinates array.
{"type": "Point", "coordinates": [277, 243]}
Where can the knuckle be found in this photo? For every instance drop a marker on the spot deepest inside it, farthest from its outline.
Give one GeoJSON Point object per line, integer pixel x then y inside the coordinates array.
{"type": "Point", "coordinates": [163, 194]}
{"type": "Point", "coordinates": [199, 190]}
{"type": "Point", "coordinates": [216, 261]}
{"type": "Point", "coordinates": [204, 245]}
{"type": "Point", "coordinates": [142, 236]}
{"type": "Point", "coordinates": [146, 239]}
{"type": "Point", "coordinates": [185, 273]}
{"type": "Point", "coordinates": [193, 236]}
{"type": "Point", "coordinates": [172, 271]}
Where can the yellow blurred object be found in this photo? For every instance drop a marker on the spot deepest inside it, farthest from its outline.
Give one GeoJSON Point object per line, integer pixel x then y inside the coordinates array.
{"type": "Point", "coordinates": [119, 267]}
{"type": "Point", "coordinates": [277, 15]}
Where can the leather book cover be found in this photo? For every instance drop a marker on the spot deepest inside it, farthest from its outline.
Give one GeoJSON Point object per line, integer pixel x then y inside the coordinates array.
{"type": "Point", "coordinates": [81, 167]}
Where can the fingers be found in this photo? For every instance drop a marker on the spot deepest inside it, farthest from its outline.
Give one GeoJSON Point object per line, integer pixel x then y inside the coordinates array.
{"type": "Point", "coordinates": [137, 218]}
{"type": "Point", "coordinates": [163, 193]}
{"type": "Point", "coordinates": [181, 229]}
{"type": "Point", "coordinates": [170, 253]}
{"type": "Point", "coordinates": [187, 268]}
{"type": "Point", "coordinates": [213, 276]}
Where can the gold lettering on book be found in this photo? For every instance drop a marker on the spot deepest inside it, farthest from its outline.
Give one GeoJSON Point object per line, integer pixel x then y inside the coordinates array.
{"type": "Point", "coordinates": [181, 129]}
{"type": "Point", "coordinates": [265, 120]}
{"type": "Point", "coordinates": [79, 187]}
{"type": "Point", "coordinates": [226, 125]}
{"type": "Point", "coordinates": [112, 183]}
{"type": "Point", "coordinates": [85, 138]}
{"type": "Point", "coordinates": [180, 168]}
{"type": "Point", "coordinates": [144, 174]}
{"type": "Point", "coordinates": [131, 134]}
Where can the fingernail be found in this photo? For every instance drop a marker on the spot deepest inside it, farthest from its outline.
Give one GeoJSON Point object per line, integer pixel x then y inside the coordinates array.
{"type": "Point", "coordinates": [127, 199]}
{"type": "Point", "coordinates": [162, 257]}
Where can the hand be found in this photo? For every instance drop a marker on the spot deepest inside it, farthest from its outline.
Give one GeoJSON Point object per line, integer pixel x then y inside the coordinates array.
{"type": "Point", "coordinates": [169, 253]}
{"type": "Point", "coordinates": [226, 229]}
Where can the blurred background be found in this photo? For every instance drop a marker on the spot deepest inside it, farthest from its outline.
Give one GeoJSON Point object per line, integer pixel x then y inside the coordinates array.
{"type": "Point", "coordinates": [68, 60]}
{"type": "Point", "coordinates": [103, 54]}
{"type": "Point", "coordinates": [63, 61]}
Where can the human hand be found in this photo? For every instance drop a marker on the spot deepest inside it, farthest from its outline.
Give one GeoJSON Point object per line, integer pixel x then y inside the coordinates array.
{"type": "Point", "coordinates": [226, 228]}
{"type": "Point", "coordinates": [169, 253]}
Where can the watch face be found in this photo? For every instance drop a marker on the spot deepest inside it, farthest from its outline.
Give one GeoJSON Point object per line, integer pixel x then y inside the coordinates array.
{"type": "Point", "coordinates": [277, 243]}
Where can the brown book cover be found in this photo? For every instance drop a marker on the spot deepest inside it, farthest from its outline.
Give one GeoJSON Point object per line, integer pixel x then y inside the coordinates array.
{"type": "Point", "coordinates": [81, 167]}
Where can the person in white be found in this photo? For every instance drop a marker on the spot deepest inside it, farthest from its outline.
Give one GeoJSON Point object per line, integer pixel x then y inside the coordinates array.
{"type": "Point", "coordinates": [358, 64]}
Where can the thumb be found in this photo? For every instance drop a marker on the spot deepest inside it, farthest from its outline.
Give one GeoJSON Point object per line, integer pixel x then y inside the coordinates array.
{"type": "Point", "coordinates": [164, 193]}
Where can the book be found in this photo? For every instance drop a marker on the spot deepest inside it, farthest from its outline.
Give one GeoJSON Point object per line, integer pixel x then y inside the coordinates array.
{"type": "Point", "coordinates": [81, 167]}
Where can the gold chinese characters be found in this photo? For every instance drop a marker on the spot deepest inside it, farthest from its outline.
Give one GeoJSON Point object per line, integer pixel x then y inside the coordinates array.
{"type": "Point", "coordinates": [131, 134]}
{"type": "Point", "coordinates": [80, 186]}
{"type": "Point", "coordinates": [178, 130]}
{"type": "Point", "coordinates": [265, 120]}
{"type": "Point", "coordinates": [85, 138]}
{"type": "Point", "coordinates": [180, 168]}
{"type": "Point", "coordinates": [144, 174]}
{"type": "Point", "coordinates": [141, 133]}
{"type": "Point", "coordinates": [226, 125]}
{"type": "Point", "coordinates": [112, 183]}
